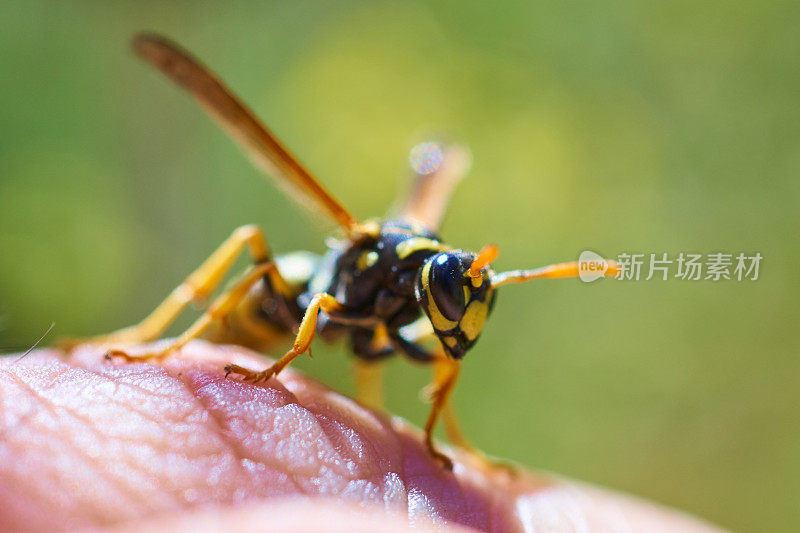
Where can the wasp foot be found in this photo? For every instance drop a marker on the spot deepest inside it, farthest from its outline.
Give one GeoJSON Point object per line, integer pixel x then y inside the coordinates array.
{"type": "Point", "coordinates": [250, 375]}
{"type": "Point", "coordinates": [138, 357]}
{"type": "Point", "coordinates": [443, 459]}
{"type": "Point", "coordinates": [481, 461]}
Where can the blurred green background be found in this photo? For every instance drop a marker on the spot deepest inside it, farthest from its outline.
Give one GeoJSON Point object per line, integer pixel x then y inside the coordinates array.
{"type": "Point", "coordinates": [662, 126]}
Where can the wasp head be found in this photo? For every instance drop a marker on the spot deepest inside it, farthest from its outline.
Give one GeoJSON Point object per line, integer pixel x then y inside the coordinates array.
{"type": "Point", "coordinates": [455, 291]}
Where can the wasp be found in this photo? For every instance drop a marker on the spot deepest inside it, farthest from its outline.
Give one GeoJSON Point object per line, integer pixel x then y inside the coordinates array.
{"type": "Point", "coordinates": [389, 286]}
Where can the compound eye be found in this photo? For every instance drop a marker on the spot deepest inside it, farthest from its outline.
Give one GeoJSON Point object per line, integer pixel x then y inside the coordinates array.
{"type": "Point", "coordinates": [446, 286]}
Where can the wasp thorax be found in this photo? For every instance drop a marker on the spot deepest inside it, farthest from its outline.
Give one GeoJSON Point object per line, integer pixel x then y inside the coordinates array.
{"type": "Point", "coordinates": [455, 299]}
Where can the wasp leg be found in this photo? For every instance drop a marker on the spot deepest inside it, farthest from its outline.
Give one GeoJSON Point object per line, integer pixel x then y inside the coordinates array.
{"type": "Point", "coordinates": [369, 383]}
{"type": "Point", "coordinates": [445, 375]}
{"type": "Point", "coordinates": [218, 310]}
{"type": "Point", "coordinates": [320, 302]}
{"type": "Point", "coordinates": [453, 430]}
{"type": "Point", "coordinates": [409, 341]}
{"type": "Point", "coordinates": [371, 347]}
{"type": "Point", "coordinates": [473, 455]}
{"type": "Point", "coordinates": [198, 286]}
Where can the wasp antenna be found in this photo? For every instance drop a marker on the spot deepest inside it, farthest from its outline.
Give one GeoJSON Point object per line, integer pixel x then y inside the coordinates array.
{"type": "Point", "coordinates": [487, 254]}
{"type": "Point", "coordinates": [561, 270]}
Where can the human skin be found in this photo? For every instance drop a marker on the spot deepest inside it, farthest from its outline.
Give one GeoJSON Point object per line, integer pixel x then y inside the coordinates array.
{"type": "Point", "coordinates": [87, 443]}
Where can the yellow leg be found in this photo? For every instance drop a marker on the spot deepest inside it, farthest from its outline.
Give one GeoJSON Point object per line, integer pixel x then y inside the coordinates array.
{"type": "Point", "coordinates": [473, 455]}
{"type": "Point", "coordinates": [369, 383]}
{"type": "Point", "coordinates": [320, 302]}
{"type": "Point", "coordinates": [445, 375]}
{"type": "Point", "coordinates": [198, 286]}
{"type": "Point", "coordinates": [453, 430]}
{"type": "Point", "coordinates": [221, 307]}
{"type": "Point", "coordinates": [421, 331]}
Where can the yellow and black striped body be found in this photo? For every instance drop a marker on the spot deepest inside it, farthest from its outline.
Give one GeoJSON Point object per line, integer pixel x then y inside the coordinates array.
{"type": "Point", "coordinates": [374, 280]}
{"type": "Point", "coordinates": [383, 283]}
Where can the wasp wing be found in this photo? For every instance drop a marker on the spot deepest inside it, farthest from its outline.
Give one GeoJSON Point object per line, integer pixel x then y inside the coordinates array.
{"type": "Point", "coordinates": [264, 149]}
{"type": "Point", "coordinates": [437, 170]}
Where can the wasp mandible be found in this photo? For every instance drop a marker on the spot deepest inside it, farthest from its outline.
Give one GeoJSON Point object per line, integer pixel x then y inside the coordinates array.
{"type": "Point", "coordinates": [391, 286]}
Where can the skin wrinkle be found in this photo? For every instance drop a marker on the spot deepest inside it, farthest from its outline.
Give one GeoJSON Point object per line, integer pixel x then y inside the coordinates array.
{"type": "Point", "coordinates": [53, 411]}
{"type": "Point", "coordinates": [232, 445]}
{"type": "Point", "coordinates": [6, 443]}
{"type": "Point", "coordinates": [171, 458]}
{"type": "Point", "coordinates": [320, 455]}
{"type": "Point", "coordinates": [344, 441]}
{"type": "Point", "coordinates": [255, 440]}
{"type": "Point", "coordinates": [343, 410]}
{"type": "Point", "coordinates": [107, 439]}
{"type": "Point", "coordinates": [336, 434]}
{"type": "Point", "coordinates": [118, 458]}
{"type": "Point", "coordinates": [363, 472]}
{"type": "Point", "coordinates": [356, 412]}
{"type": "Point", "coordinates": [301, 478]}
{"type": "Point", "coordinates": [373, 467]}
{"type": "Point", "coordinates": [202, 440]}
{"type": "Point", "coordinates": [181, 417]}
{"type": "Point", "coordinates": [132, 378]}
{"type": "Point", "coordinates": [110, 398]}
{"type": "Point", "coordinates": [279, 414]}
{"type": "Point", "coordinates": [217, 427]}
{"type": "Point", "coordinates": [190, 453]}
{"type": "Point", "coordinates": [20, 383]}
{"type": "Point", "coordinates": [135, 478]}
{"type": "Point", "coordinates": [337, 465]}
{"type": "Point", "coordinates": [222, 426]}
